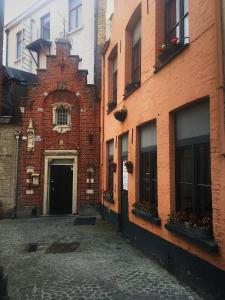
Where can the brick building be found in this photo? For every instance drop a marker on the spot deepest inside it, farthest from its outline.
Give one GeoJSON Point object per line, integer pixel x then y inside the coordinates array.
{"type": "Point", "coordinates": [59, 151]}
{"type": "Point", "coordinates": [162, 119]}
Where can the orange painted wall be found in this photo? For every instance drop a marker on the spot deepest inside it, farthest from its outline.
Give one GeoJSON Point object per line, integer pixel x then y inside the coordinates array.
{"type": "Point", "coordinates": [193, 74]}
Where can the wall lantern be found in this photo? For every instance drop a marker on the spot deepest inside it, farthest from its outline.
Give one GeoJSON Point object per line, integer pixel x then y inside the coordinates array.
{"type": "Point", "coordinates": [35, 179]}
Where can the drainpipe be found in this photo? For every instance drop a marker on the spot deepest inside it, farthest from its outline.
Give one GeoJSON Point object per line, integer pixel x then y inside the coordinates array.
{"type": "Point", "coordinates": [17, 136]}
{"type": "Point", "coordinates": [7, 48]}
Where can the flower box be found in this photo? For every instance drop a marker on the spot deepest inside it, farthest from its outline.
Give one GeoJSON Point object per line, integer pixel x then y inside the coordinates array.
{"type": "Point", "coordinates": [113, 166]}
{"type": "Point", "coordinates": [169, 51]}
{"type": "Point", "coordinates": [130, 167]}
{"type": "Point", "coordinates": [111, 105]}
{"type": "Point", "coordinates": [121, 114]}
{"type": "Point", "coordinates": [131, 87]}
{"type": "Point", "coordinates": [198, 236]}
{"type": "Point", "coordinates": [152, 217]}
{"type": "Point", "coordinates": [108, 196]}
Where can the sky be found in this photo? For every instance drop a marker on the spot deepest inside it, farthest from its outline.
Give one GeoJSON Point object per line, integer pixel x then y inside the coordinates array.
{"type": "Point", "coordinates": [13, 8]}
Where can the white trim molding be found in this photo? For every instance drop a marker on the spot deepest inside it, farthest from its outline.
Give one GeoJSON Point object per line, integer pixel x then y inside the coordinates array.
{"type": "Point", "coordinates": [51, 155]}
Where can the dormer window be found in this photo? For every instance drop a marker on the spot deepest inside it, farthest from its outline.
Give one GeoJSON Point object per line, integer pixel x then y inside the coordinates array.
{"type": "Point", "coordinates": [62, 117]}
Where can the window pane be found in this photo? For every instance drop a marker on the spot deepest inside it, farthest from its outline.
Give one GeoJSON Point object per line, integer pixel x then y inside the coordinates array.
{"type": "Point", "coordinates": [72, 19]}
{"type": "Point", "coordinates": [79, 16]}
{"type": "Point", "coordinates": [62, 116]}
{"type": "Point", "coordinates": [111, 148]}
{"type": "Point", "coordinates": [137, 33]}
{"type": "Point", "coordinates": [19, 45]}
{"type": "Point", "coordinates": [144, 177]}
{"type": "Point", "coordinates": [186, 30]}
{"type": "Point", "coordinates": [186, 6]}
{"type": "Point", "coordinates": [136, 62]}
{"type": "Point", "coordinates": [184, 165]}
{"type": "Point", "coordinates": [203, 164]}
{"type": "Point", "coordinates": [185, 197]}
{"type": "Point", "coordinates": [124, 144]}
{"type": "Point", "coordinates": [153, 165]}
{"type": "Point", "coordinates": [193, 121]}
{"type": "Point", "coordinates": [75, 3]}
{"type": "Point", "coordinates": [45, 27]}
{"type": "Point", "coordinates": [184, 179]}
{"type": "Point", "coordinates": [205, 201]}
{"type": "Point", "coordinates": [148, 135]}
{"type": "Point", "coordinates": [115, 86]}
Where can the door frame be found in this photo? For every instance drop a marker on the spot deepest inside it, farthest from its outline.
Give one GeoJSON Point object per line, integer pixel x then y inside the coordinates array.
{"type": "Point", "coordinates": [51, 155]}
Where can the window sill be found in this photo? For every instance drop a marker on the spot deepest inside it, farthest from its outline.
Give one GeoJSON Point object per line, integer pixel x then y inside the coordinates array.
{"type": "Point", "coordinates": [131, 88]}
{"type": "Point", "coordinates": [17, 60]}
{"type": "Point", "coordinates": [62, 128]}
{"type": "Point", "coordinates": [169, 56]}
{"type": "Point", "coordinates": [111, 106]}
{"type": "Point", "coordinates": [76, 29]}
{"type": "Point", "coordinates": [108, 197]}
{"type": "Point", "coordinates": [191, 234]}
{"type": "Point", "coordinates": [147, 216]}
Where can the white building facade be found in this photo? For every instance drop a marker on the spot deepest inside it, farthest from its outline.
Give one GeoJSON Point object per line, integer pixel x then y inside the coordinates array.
{"type": "Point", "coordinates": [31, 35]}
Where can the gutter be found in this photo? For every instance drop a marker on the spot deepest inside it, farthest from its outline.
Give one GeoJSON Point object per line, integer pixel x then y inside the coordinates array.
{"type": "Point", "coordinates": [7, 47]}
{"type": "Point", "coordinates": [17, 136]}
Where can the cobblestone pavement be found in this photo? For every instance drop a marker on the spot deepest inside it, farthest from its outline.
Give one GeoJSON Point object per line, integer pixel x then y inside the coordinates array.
{"type": "Point", "coordinates": [104, 266]}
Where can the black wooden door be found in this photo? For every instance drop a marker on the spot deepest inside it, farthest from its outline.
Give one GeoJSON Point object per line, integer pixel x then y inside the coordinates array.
{"type": "Point", "coordinates": [61, 181]}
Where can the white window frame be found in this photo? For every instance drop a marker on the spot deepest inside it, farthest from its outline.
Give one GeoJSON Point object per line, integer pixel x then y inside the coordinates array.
{"type": "Point", "coordinates": [61, 128]}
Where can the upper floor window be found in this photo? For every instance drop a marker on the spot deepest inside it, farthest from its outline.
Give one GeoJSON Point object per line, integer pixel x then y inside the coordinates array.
{"type": "Point", "coordinates": [136, 52]}
{"type": "Point", "coordinates": [176, 21]}
{"type": "Point", "coordinates": [45, 27]}
{"type": "Point", "coordinates": [114, 79]}
{"type": "Point", "coordinates": [75, 12]}
{"type": "Point", "coordinates": [19, 44]}
{"type": "Point", "coordinates": [133, 52]}
{"type": "Point", "coordinates": [62, 117]}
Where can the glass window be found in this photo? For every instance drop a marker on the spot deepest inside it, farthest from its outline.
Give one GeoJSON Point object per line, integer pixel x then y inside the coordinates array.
{"type": "Point", "coordinates": [45, 27]}
{"type": "Point", "coordinates": [61, 116]}
{"type": "Point", "coordinates": [110, 169]}
{"type": "Point", "coordinates": [75, 14]}
{"type": "Point", "coordinates": [114, 64]}
{"type": "Point", "coordinates": [136, 53]}
{"type": "Point", "coordinates": [176, 21]}
{"type": "Point", "coordinates": [193, 171]}
{"type": "Point", "coordinates": [148, 167]}
{"type": "Point", "coordinates": [19, 45]}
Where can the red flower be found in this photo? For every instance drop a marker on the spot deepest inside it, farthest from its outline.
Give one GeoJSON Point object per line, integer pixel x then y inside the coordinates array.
{"type": "Point", "coordinates": [174, 40]}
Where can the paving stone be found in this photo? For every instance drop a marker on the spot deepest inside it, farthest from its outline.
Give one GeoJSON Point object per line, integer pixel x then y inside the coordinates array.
{"type": "Point", "coordinates": [106, 267]}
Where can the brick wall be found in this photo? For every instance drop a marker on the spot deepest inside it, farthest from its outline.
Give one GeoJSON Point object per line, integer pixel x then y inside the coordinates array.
{"type": "Point", "coordinates": [85, 121]}
{"type": "Point", "coordinates": [7, 168]}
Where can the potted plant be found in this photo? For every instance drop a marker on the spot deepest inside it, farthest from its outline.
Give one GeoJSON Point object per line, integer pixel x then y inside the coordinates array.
{"type": "Point", "coordinates": [108, 195]}
{"type": "Point", "coordinates": [121, 114]}
{"type": "Point", "coordinates": [167, 49]}
{"type": "Point", "coordinates": [145, 211]}
{"type": "Point", "coordinates": [131, 86]}
{"type": "Point", "coordinates": [111, 105]}
{"type": "Point", "coordinates": [129, 165]}
{"type": "Point", "coordinates": [113, 166]}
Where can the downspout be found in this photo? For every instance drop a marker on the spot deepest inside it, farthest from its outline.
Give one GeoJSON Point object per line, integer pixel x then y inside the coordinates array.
{"type": "Point", "coordinates": [7, 47]}
{"type": "Point", "coordinates": [17, 136]}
